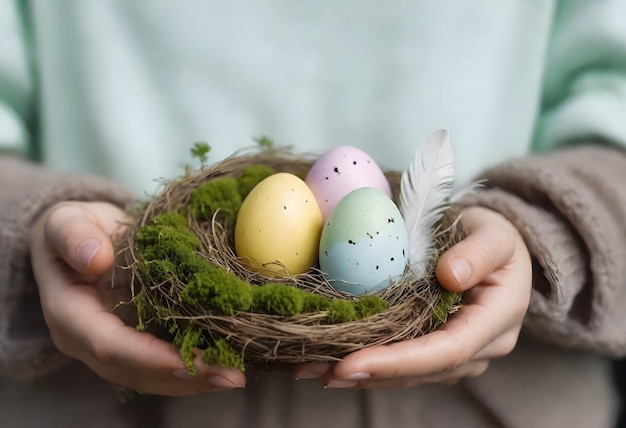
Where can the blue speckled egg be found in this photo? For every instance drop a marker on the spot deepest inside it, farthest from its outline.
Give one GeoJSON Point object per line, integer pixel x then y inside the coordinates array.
{"type": "Point", "coordinates": [364, 243]}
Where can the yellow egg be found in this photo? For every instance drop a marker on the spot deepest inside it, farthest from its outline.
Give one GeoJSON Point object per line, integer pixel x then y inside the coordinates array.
{"type": "Point", "coordinates": [278, 227]}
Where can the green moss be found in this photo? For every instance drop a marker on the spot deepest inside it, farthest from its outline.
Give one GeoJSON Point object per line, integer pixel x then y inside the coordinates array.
{"type": "Point", "coordinates": [160, 271]}
{"type": "Point", "coordinates": [145, 311]}
{"type": "Point", "coordinates": [144, 273]}
{"type": "Point", "coordinates": [315, 302]}
{"type": "Point", "coordinates": [341, 311]}
{"type": "Point", "coordinates": [168, 247]}
{"type": "Point", "coordinates": [367, 306]}
{"type": "Point", "coordinates": [200, 151]}
{"type": "Point", "coordinates": [191, 265]}
{"type": "Point", "coordinates": [279, 299]}
{"type": "Point", "coordinates": [168, 237]}
{"type": "Point", "coordinates": [221, 354]}
{"type": "Point", "coordinates": [185, 341]}
{"type": "Point", "coordinates": [171, 219]}
{"type": "Point", "coordinates": [251, 176]}
{"type": "Point", "coordinates": [217, 194]}
{"type": "Point", "coordinates": [265, 142]}
{"type": "Point", "coordinates": [172, 250]}
{"type": "Point", "coordinates": [172, 327]}
{"type": "Point", "coordinates": [219, 289]}
{"type": "Point", "coordinates": [448, 301]}
{"type": "Point", "coordinates": [169, 252]}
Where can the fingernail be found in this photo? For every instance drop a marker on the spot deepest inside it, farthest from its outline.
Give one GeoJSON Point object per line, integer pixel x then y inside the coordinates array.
{"type": "Point", "coordinates": [311, 373]}
{"type": "Point", "coordinates": [221, 382]}
{"type": "Point", "coordinates": [461, 270]}
{"type": "Point", "coordinates": [348, 381]}
{"type": "Point", "coordinates": [184, 374]}
{"type": "Point", "coordinates": [86, 250]}
{"type": "Point", "coordinates": [341, 383]}
{"type": "Point", "coordinates": [358, 376]}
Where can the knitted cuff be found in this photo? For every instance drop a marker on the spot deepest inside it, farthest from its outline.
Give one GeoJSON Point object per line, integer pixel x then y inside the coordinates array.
{"type": "Point", "coordinates": [570, 207]}
{"type": "Point", "coordinates": [27, 190]}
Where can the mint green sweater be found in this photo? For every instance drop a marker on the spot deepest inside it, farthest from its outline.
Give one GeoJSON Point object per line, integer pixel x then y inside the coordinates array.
{"type": "Point", "coordinates": [124, 87]}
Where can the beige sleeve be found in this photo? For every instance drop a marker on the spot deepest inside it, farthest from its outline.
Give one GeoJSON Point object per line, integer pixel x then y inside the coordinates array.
{"type": "Point", "coordinates": [26, 190]}
{"type": "Point", "coordinates": [570, 206]}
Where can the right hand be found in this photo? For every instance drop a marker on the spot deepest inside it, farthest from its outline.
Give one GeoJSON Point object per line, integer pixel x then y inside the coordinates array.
{"type": "Point", "coordinates": [72, 257]}
{"type": "Point", "coordinates": [497, 283]}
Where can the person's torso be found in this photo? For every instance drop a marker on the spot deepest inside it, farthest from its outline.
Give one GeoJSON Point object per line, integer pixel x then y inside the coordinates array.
{"type": "Point", "coordinates": [127, 87]}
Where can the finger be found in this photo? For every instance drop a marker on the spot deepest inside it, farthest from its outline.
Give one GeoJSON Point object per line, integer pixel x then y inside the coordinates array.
{"type": "Point", "coordinates": [485, 249]}
{"type": "Point", "coordinates": [311, 370]}
{"type": "Point", "coordinates": [182, 383]}
{"type": "Point", "coordinates": [125, 356]}
{"type": "Point", "coordinates": [82, 326]}
{"type": "Point", "coordinates": [173, 388]}
{"type": "Point", "coordinates": [136, 351]}
{"type": "Point", "coordinates": [177, 387]}
{"type": "Point", "coordinates": [490, 312]}
{"type": "Point", "coordinates": [501, 346]}
{"type": "Point", "coordinates": [472, 369]}
{"type": "Point", "coordinates": [81, 234]}
{"type": "Point", "coordinates": [130, 367]}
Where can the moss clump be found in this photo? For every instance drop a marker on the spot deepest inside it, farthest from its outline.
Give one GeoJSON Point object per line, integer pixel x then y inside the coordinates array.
{"type": "Point", "coordinates": [171, 219]}
{"type": "Point", "coordinates": [176, 252]}
{"type": "Point", "coordinates": [315, 302]}
{"type": "Point", "coordinates": [342, 311]}
{"type": "Point", "coordinates": [200, 151]}
{"type": "Point", "coordinates": [144, 272]}
{"type": "Point", "coordinates": [219, 289]}
{"type": "Point", "coordinates": [160, 271]}
{"type": "Point", "coordinates": [447, 302]}
{"type": "Point", "coordinates": [265, 142]}
{"type": "Point", "coordinates": [145, 311]}
{"type": "Point", "coordinates": [185, 341]}
{"type": "Point", "coordinates": [279, 299]}
{"type": "Point", "coordinates": [367, 306]}
{"type": "Point", "coordinates": [191, 265]}
{"type": "Point", "coordinates": [168, 237]}
{"type": "Point", "coordinates": [219, 195]}
{"type": "Point", "coordinates": [221, 354]}
{"type": "Point", "coordinates": [251, 176]}
{"type": "Point", "coordinates": [168, 247]}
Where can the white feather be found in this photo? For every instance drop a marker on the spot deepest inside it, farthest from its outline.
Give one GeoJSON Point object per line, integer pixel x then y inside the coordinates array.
{"type": "Point", "coordinates": [425, 189]}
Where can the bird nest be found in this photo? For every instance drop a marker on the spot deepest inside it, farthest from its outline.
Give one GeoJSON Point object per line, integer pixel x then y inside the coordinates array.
{"type": "Point", "coordinates": [255, 336]}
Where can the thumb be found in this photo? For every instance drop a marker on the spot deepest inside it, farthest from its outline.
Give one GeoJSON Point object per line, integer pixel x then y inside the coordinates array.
{"type": "Point", "coordinates": [490, 244]}
{"type": "Point", "coordinates": [81, 233]}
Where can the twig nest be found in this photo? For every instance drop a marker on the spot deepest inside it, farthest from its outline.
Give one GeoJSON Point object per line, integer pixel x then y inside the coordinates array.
{"type": "Point", "coordinates": [187, 280]}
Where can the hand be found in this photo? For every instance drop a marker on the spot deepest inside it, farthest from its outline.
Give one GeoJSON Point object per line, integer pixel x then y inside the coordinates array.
{"type": "Point", "coordinates": [493, 267]}
{"type": "Point", "coordinates": [72, 257]}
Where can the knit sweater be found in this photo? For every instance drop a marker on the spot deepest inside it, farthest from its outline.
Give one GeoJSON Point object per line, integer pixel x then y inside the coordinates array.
{"type": "Point", "coordinates": [122, 88]}
{"type": "Point", "coordinates": [570, 213]}
{"type": "Point", "coordinates": [117, 89]}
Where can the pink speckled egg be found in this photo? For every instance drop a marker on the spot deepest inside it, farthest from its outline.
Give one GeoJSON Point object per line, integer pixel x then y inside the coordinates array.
{"type": "Point", "coordinates": [341, 170]}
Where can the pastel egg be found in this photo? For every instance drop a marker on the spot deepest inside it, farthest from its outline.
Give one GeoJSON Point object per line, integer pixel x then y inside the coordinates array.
{"type": "Point", "coordinates": [341, 170]}
{"type": "Point", "coordinates": [278, 227]}
{"type": "Point", "coordinates": [364, 243]}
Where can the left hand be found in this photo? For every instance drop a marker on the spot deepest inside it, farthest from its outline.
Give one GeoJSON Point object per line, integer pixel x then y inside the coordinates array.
{"type": "Point", "coordinates": [77, 300]}
{"type": "Point", "coordinates": [497, 282]}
